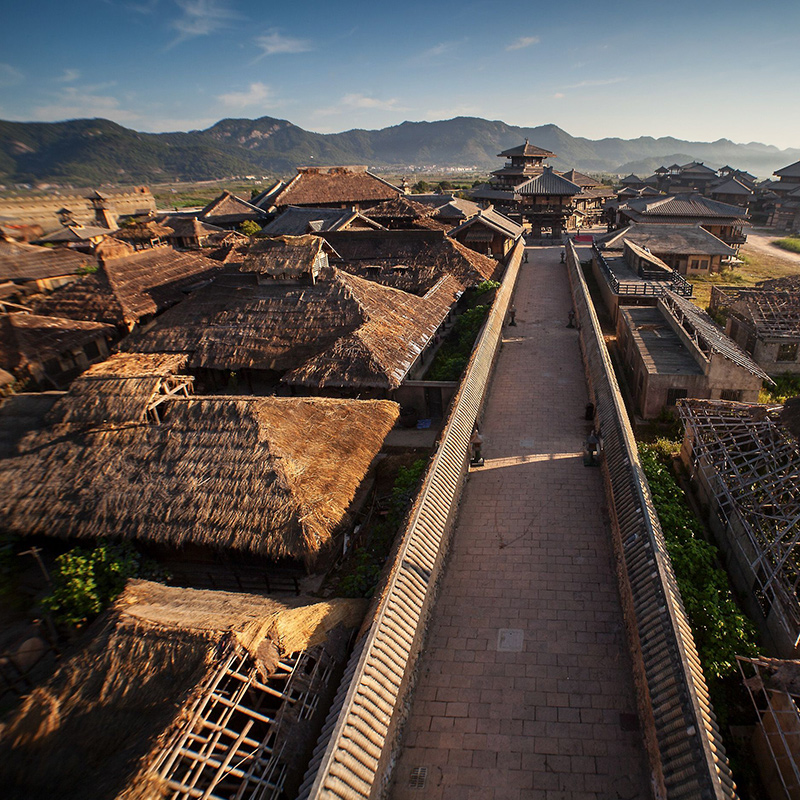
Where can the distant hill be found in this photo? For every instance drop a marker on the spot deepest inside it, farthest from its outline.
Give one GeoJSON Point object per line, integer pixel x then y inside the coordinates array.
{"type": "Point", "coordinates": [647, 166]}
{"type": "Point", "coordinates": [91, 152]}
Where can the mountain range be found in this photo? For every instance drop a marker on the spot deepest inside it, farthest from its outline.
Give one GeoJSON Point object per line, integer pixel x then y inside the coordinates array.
{"type": "Point", "coordinates": [88, 152]}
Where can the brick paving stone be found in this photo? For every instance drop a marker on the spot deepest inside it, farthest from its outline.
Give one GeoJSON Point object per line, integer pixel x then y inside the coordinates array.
{"type": "Point", "coordinates": [531, 552]}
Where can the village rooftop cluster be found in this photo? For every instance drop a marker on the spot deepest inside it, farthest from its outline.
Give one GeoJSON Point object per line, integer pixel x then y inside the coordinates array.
{"type": "Point", "coordinates": [231, 392]}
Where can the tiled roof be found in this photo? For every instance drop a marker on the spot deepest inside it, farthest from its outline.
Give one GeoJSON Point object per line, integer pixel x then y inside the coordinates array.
{"type": "Point", "coordinates": [548, 183]}
{"type": "Point", "coordinates": [697, 167]}
{"type": "Point", "coordinates": [732, 186]}
{"type": "Point", "coordinates": [527, 149]}
{"type": "Point", "coordinates": [684, 205]}
{"type": "Point", "coordinates": [493, 220]}
{"type": "Point", "coordinates": [792, 171]}
{"type": "Point", "coordinates": [228, 208]}
{"type": "Point", "coordinates": [707, 335]}
{"type": "Point", "coordinates": [668, 239]}
{"type": "Point", "coordinates": [76, 233]}
{"type": "Point", "coordinates": [298, 221]}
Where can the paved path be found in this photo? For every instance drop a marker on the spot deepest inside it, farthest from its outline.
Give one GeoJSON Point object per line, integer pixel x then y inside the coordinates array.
{"type": "Point", "coordinates": [525, 687]}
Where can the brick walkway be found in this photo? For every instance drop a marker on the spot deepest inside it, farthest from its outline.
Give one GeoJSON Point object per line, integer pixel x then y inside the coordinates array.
{"type": "Point", "coordinates": [525, 687]}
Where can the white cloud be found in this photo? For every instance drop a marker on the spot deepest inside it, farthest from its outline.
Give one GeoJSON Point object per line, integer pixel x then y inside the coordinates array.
{"type": "Point", "coordinates": [363, 101]}
{"type": "Point", "coordinates": [77, 103]}
{"type": "Point", "coordinates": [522, 42]}
{"type": "Point", "coordinates": [201, 17]}
{"type": "Point", "coordinates": [558, 95]}
{"type": "Point", "coordinates": [10, 76]}
{"type": "Point", "coordinates": [69, 76]}
{"type": "Point", "coordinates": [256, 94]}
{"type": "Point", "coordinates": [599, 82]}
{"type": "Point", "coordinates": [274, 43]}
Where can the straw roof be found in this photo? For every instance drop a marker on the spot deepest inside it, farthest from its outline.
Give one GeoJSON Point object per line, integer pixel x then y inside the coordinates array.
{"type": "Point", "coordinates": [399, 208]}
{"type": "Point", "coordinates": [126, 289]}
{"type": "Point", "coordinates": [188, 227]}
{"type": "Point", "coordinates": [122, 388]}
{"type": "Point", "coordinates": [228, 209]}
{"type": "Point", "coordinates": [102, 725]}
{"type": "Point", "coordinates": [76, 234]}
{"type": "Point", "coordinates": [410, 260]}
{"type": "Point", "coordinates": [27, 339]}
{"type": "Point", "coordinates": [237, 323]}
{"type": "Point", "coordinates": [285, 256]}
{"type": "Point", "coordinates": [267, 476]}
{"type": "Point", "coordinates": [143, 231]}
{"type": "Point", "coordinates": [28, 262]}
{"type": "Point", "coordinates": [321, 186]}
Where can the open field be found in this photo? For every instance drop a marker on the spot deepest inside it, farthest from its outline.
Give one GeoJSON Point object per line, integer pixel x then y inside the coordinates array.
{"type": "Point", "coordinates": [762, 260]}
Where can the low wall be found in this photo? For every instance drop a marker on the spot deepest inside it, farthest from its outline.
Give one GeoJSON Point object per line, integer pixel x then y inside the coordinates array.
{"type": "Point", "coordinates": [355, 754]}
{"type": "Point", "coordinates": [683, 742]}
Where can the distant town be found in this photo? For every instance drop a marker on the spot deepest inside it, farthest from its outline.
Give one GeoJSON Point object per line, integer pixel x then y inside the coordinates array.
{"type": "Point", "coordinates": [371, 482]}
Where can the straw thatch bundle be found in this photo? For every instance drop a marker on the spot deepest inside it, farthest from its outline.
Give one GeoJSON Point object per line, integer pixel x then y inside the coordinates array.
{"type": "Point", "coordinates": [342, 331]}
{"type": "Point", "coordinates": [284, 256]}
{"type": "Point", "coordinates": [268, 476]}
{"type": "Point", "coordinates": [27, 339]}
{"type": "Point", "coordinates": [129, 288]}
{"type": "Point", "coordinates": [97, 726]}
{"type": "Point", "coordinates": [322, 186]}
{"type": "Point", "coordinates": [119, 389]}
{"type": "Point", "coordinates": [412, 260]}
{"type": "Point", "coordinates": [144, 230]}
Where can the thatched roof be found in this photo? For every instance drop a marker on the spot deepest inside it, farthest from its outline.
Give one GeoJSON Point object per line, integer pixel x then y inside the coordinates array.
{"type": "Point", "coordinates": [102, 726]}
{"type": "Point", "coordinates": [185, 227]}
{"type": "Point", "coordinates": [228, 209]}
{"type": "Point", "coordinates": [76, 234]}
{"type": "Point", "coordinates": [28, 262]}
{"type": "Point", "coordinates": [298, 221]}
{"type": "Point", "coordinates": [237, 323]}
{"type": "Point", "coordinates": [122, 388]}
{"type": "Point", "coordinates": [412, 260]}
{"type": "Point", "coordinates": [399, 209]}
{"type": "Point", "coordinates": [286, 256]}
{"type": "Point", "coordinates": [143, 230]}
{"type": "Point", "coordinates": [267, 476]}
{"type": "Point", "coordinates": [126, 289]}
{"type": "Point", "coordinates": [324, 186]}
{"type": "Point", "coordinates": [30, 338]}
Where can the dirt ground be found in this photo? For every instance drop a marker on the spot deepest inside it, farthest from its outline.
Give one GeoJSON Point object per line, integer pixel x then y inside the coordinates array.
{"type": "Point", "coordinates": [762, 260]}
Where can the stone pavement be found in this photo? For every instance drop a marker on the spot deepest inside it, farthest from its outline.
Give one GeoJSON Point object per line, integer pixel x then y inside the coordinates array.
{"type": "Point", "coordinates": [525, 687]}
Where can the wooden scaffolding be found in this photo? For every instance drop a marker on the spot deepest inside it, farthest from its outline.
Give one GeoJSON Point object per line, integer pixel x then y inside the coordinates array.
{"type": "Point", "coordinates": [751, 465]}
{"type": "Point", "coordinates": [233, 744]}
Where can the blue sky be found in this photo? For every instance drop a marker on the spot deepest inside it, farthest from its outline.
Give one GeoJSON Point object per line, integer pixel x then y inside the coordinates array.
{"type": "Point", "coordinates": [698, 70]}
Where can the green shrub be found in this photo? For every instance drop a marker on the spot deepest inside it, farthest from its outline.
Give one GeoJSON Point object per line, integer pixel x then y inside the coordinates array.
{"type": "Point", "coordinates": [454, 354]}
{"type": "Point", "coordinates": [792, 244]}
{"type": "Point", "coordinates": [86, 581]}
{"type": "Point", "coordinates": [786, 386]}
{"type": "Point", "coordinates": [721, 630]}
{"type": "Point", "coordinates": [367, 561]}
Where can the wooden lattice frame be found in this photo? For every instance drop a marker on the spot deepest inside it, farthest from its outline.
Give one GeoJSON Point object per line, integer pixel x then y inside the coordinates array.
{"type": "Point", "coordinates": [231, 745]}
{"type": "Point", "coordinates": [752, 465]}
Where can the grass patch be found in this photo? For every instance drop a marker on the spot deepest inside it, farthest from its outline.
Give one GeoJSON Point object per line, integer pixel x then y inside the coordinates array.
{"type": "Point", "coordinates": [786, 386]}
{"type": "Point", "coordinates": [790, 243]}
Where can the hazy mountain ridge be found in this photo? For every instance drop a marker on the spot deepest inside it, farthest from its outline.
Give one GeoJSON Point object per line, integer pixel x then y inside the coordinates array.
{"type": "Point", "coordinates": [87, 152]}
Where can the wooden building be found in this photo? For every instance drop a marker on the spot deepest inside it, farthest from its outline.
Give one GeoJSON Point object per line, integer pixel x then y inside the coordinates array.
{"type": "Point", "coordinates": [744, 461]}
{"type": "Point", "coordinates": [725, 221]}
{"type": "Point", "coordinates": [414, 261]}
{"type": "Point", "coordinates": [229, 211]}
{"type": "Point", "coordinates": [764, 322]}
{"type": "Point", "coordinates": [83, 238]}
{"type": "Point", "coordinates": [341, 335]}
{"type": "Point", "coordinates": [296, 221]}
{"type": "Point", "coordinates": [634, 277]}
{"type": "Point", "coordinates": [50, 351]}
{"type": "Point", "coordinates": [40, 269]}
{"type": "Point", "coordinates": [674, 350]}
{"type": "Point", "coordinates": [189, 233]}
{"type": "Point", "coordinates": [488, 232]}
{"type": "Point", "coordinates": [128, 291]}
{"type": "Point", "coordinates": [183, 693]}
{"type": "Point", "coordinates": [688, 249]}
{"type": "Point", "coordinates": [332, 187]}
{"type": "Point", "coordinates": [784, 207]}
{"type": "Point", "coordinates": [126, 455]}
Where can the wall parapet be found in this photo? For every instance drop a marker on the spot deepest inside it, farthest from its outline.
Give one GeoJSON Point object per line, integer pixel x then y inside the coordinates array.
{"type": "Point", "coordinates": [354, 755]}
{"type": "Point", "coordinates": [683, 741]}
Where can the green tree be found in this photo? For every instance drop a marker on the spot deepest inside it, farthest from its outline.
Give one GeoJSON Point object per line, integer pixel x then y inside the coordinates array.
{"type": "Point", "coordinates": [249, 228]}
{"type": "Point", "coordinates": [421, 187]}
